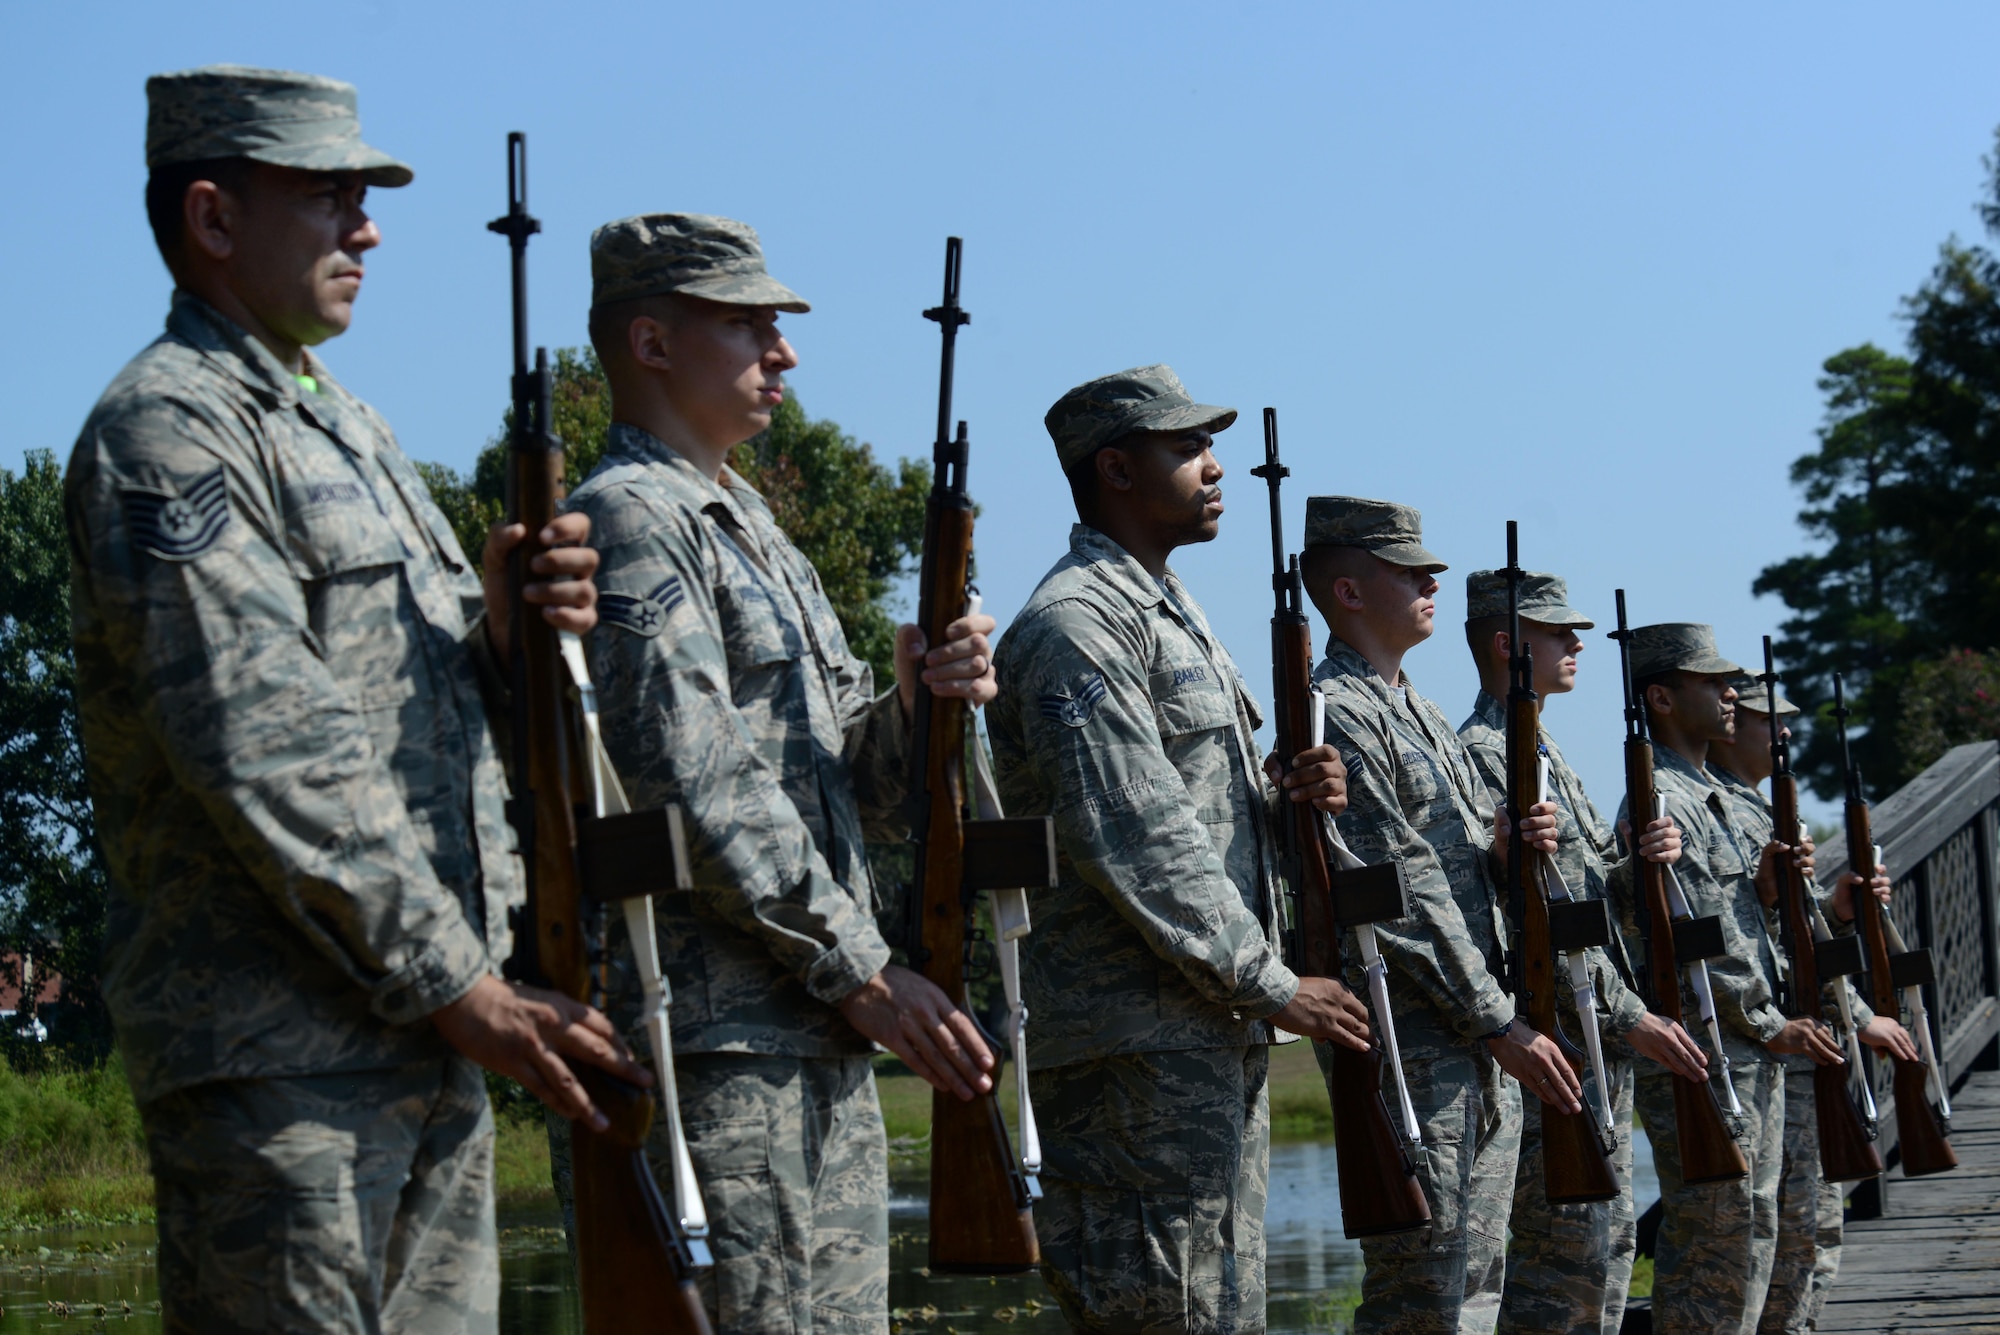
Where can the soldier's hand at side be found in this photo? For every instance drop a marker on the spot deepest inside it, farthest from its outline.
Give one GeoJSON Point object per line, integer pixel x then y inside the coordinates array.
{"type": "Point", "coordinates": [912, 1017]}
{"type": "Point", "coordinates": [1767, 873]}
{"type": "Point", "coordinates": [525, 1033]}
{"type": "Point", "coordinates": [567, 595]}
{"type": "Point", "coordinates": [1662, 1041]}
{"type": "Point", "coordinates": [1535, 1061]}
{"type": "Point", "coordinates": [1886, 1035]}
{"type": "Point", "coordinates": [1843, 894]}
{"type": "Point", "coordinates": [1806, 1037]}
{"type": "Point", "coordinates": [1802, 857]}
{"type": "Point", "coordinates": [1661, 842]}
{"type": "Point", "coordinates": [961, 667]}
{"type": "Point", "coordinates": [1324, 1008]}
{"type": "Point", "coordinates": [1317, 776]}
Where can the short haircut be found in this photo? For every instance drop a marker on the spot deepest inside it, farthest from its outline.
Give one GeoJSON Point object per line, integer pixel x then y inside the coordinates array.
{"type": "Point", "coordinates": [611, 321]}
{"type": "Point", "coordinates": [166, 196]}
{"type": "Point", "coordinates": [1673, 679]}
{"type": "Point", "coordinates": [1479, 633]}
{"type": "Point", "coordinates": [1321, 565]}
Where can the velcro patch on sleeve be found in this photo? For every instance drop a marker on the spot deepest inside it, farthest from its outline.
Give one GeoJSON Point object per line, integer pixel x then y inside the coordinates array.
{"type": "Point", "coordinates": [645, 615]}
{"type": "Point", "coordinates": [178, 525]}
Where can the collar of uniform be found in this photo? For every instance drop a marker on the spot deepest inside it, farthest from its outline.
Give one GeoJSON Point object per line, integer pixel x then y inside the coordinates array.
{"type": "Point", "coordinates": [1346, 660]}
{"type": "Point", "coordinates": [731, 491]}
{"type": "Point", "coordinates": [1665, 757]}
{"type": "Point", "coordinates": [1489, 710]}
{"type": "Point", "coordinates": [1727, 778]}
{"type": "Point", "coordinates": [232, 348]}
{"type": "Point", "coordinates": [1116, 566]}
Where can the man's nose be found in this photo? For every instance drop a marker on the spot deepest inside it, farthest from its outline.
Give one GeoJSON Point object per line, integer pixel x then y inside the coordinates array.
{"type": "Point", "coordinates": [365, 236]}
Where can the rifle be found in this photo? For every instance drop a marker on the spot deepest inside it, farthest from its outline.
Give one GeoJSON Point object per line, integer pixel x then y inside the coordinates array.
{"type": "Point", "coordinates": [1922, 1125]}
{"type": "Point", "coordinates": [1675, 938]}
{"type": "Point", "coordinates": [1379, 1190]}
{"type": "Point", "coordinates": [582, 847]}
{"type": "Point", "coordinates": [1576, 1166]}
{"type": "Point", "coordinates": [981, 1196]}
{"type": "Point", "coordinates": [1845, 1153]}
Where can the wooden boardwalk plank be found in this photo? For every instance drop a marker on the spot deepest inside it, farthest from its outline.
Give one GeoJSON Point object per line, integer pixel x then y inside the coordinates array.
{"type": "Point", "coordinates": [1933, 1264]}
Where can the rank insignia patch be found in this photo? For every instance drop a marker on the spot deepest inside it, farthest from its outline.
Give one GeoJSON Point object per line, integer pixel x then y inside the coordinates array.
{"type": "Point", "coordinates": [1074, 710]}
{"type": "Point", "coordinates": [647, 616]}
{"type": "Point", "coordinates": [178, 526]}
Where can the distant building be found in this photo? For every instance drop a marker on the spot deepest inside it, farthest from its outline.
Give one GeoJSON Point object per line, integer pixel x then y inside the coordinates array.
{"type": "Point", "coordinates": [46, 988]}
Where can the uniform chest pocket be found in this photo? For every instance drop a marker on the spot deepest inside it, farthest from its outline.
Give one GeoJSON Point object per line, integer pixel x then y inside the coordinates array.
{"type": "Point", "coordinates": [1188, 699]}
{"type": "Point", "coordinates": [755, 632]}
{"type": "Point", "coordinates": [1423, 788]}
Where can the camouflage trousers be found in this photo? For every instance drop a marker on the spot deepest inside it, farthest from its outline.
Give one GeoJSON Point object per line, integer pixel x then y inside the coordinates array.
{"type": "Point", "coordinates": [1811, 1220]}
{"type": "Point", "coordinates": [1446, 1279]}
{"type": "Point", "coordinates": [352, 1204]}
{"type": "Point", "coordinates": [794, 1170]}
{"type": "Point", "coordinates": [1712, 1264]}
{"type": "Point", "coordinates": [1569, 1266]}
{"type": "Point", "coordinates": [1156, 1166]}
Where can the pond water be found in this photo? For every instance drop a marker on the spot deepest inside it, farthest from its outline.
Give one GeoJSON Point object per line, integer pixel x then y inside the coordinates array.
{"type": "Point", "coordinates": [101, 1279]}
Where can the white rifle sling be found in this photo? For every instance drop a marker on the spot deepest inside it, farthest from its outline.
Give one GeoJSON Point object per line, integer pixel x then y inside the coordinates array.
{"type": "Point", "coordinates": [1583, 990]}
{"type": "Point", "coordinates": [608, 799]}
{"type": "Point", "coordinates": [1376, 968]}
{"type": "Point", "coordinates": [1010, 924]}
{"type": "Point", "coordinates": [1697, 970]}
{"type": "Point", "coordinates": [1849, 1032]}
{"type": "Point", "coordinates": [1920, 1017]}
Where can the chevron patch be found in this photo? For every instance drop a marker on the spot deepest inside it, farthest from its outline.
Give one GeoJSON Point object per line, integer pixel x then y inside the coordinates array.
{"type": "Point", "coordinates": [178, 526]}
{"type": "Point", "coordinates": [1075, 710]}
{"type": "Point", "coordinates": [643, 616]}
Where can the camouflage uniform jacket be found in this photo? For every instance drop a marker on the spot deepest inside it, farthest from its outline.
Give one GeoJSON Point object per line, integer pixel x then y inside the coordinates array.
{"type": "Point", "coordinates": [1414, 796]}
{"type": "Point", "coordinates": [1587, 855]}
{"type": "Point", "coordinates": [1717, 863]}
{"type": "Point", "coordinates": [280, 657]}
{"type": "Point", "coordinates": [1124, 718]}
{"type": "Point", "coordinates": [726, 685]}
{"type": "Point", "coordinates": [1753, 816]}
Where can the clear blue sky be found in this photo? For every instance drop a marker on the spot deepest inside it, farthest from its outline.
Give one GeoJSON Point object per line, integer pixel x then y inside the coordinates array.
{"type": "Point", "coordinates": [1571, 264]}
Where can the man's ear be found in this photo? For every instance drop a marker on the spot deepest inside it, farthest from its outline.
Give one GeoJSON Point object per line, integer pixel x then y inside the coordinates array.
{"type": "Point", "coordinates": [1347, 593]}
{"type": "Point", "coordinates": [1503, 646]}
{"type": "Point", "coordinates": [1114, 469]}
{"type": "Point", "coordinates": [211, 218]}
{"type": "Point", "coordinates": [647, 341]}
{"type": "Point", "coordinates": [1659, 700]}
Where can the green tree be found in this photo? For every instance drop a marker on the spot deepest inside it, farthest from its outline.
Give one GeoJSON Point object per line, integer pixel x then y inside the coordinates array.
{"type": "Point", "coordinates": [52, 879]}
{"type": "Point", "coordinates": [1903, 505]}
{"type": "Point", "coordinates": [860, 523]}
{"type": "Point", "coordinates": [1947, 702]}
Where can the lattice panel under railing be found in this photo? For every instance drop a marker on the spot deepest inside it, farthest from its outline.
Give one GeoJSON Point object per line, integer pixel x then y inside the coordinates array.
{"type": "Point", "coordinates": [1958, 925]}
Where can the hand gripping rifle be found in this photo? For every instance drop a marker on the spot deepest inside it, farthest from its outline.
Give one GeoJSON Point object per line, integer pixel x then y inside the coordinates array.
{"type": "Point", "coordinates": [981, 1196]}
{"type": "Point", "coordinates": [1576, 1166]}
{"type": "Point", "coordinates": [1845, 1153]}
{"type": "Point", "coordinates": [1379, 1190]}
{"type": "Point", "coordinates": [1923, 1108]}
{"type": "Point", "coordinates": [1676, 940]}
{"type": "Point", "coordinates": [582, 847]}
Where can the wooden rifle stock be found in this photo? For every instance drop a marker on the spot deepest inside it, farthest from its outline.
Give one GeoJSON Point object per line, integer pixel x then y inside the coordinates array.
{"type": "Point", "coordinates": [1379, 1189]}
{"type": "Point", "coordinates": [1575, 1166]}
{"type": "Point", "coordinates": [1845, 1151]}
{"type": "Point", "coordinates": [1708, 1152]}
{"type": "Point", "coordinates": [981, 1219]}
{"type": "Point", "coordinates": [1920, 1135]}
{"type": "Point", "coordinates": [635, 1268]}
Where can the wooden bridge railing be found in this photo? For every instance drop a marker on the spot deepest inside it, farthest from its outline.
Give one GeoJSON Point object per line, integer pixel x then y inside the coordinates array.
{"type": "Point", "coordinates": [1940, 838]}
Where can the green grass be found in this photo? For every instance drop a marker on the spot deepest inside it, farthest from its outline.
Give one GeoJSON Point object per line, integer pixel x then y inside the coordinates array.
{"type": "Point", "coordinates": [1642, 1278]}
{"type": "Point", "coordinates": [71, 1149]}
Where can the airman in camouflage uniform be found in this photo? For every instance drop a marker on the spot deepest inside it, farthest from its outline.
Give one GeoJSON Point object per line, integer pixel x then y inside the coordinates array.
{"type": "Point", "coordinates": [1712, 1264]}
{"type": "Point", "coordinates": [1810, 1209]}
{"type": "Point", "coordinates": [283, 677]}
{"type": "Point", "coordinates": [1417, 798]}
{"type": "Point", "coordinates": [1153, 974]}
{"type": "Point", "coordinates": [726, 685]}
{"type": "Point", "coordinates": [1568, 1266]}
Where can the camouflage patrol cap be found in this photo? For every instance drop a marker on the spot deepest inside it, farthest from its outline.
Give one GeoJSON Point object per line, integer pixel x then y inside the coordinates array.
{"type": "Point", "coordinates": [275, 116]}
{"type": "Point", "coordinates": [1544, 598]}
{"type": "Point", "coordinates": [1686, 646]}
{"type": "Point", "coordinates": [1145, 398]}
{"type": "Point", "coordinates": [1391, 531]}
{"type": "Point", "coordinates": [652, 254]}
{"type": "Point", "coordinates": [1754, 695]}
